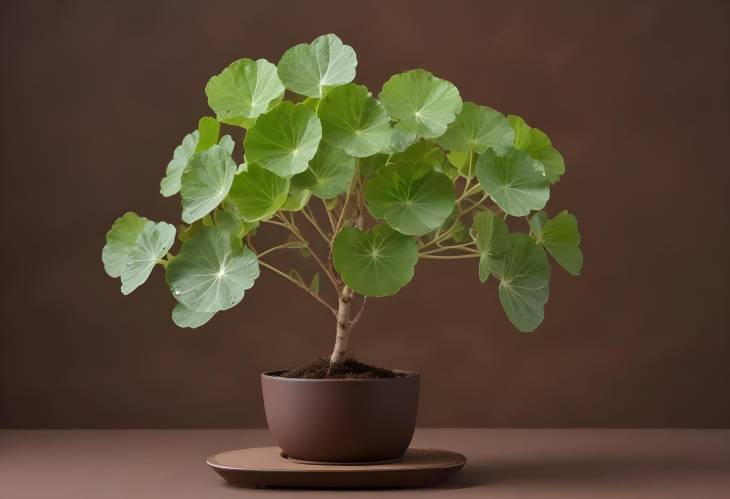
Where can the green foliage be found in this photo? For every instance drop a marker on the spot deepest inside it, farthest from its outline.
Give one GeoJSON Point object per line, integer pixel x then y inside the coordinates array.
{"type": "Point", "coordinates": [375, 263]}
{"type": "Point", "coordinates": [382, 182]}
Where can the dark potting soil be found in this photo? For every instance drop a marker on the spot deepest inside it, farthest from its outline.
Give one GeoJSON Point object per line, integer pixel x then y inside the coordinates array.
{"type": "Point", "coordinates": [350, 369]}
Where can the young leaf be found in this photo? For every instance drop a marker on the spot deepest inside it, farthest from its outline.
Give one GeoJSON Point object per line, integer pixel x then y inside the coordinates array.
{"type": "Point", "coordinates": [412, 198]}
{"type": "Point", "coordinates": [243, 91]}
{"type": "Point", "coordinates": [515, 181]}
{"type": "Point", "coordinates": [476, 129]}
{"type": "Point", "coordinates": [561, 238]}
{"type": "Point", "coordinates": [354, 121]}
{"type": "Point", "coordinates": [329, 174]}
{"type": "Point", "coordinates": [170, 185]}
{"type": "Point", "coordinates": [309, 69]}
{"type": "Point", "coordinates": [120, 241]}
{"type": "Point", "coordinates": [294, 274]}
{"type": "Point", "coordinates": [401, 139]}
{"type": "Point", "coordinates": [209, 129]}
{"type": "Point", "coordinates": [491, 236]}
{"type": "Point", "coordinates": [314, 285]}
{"type": "Point", "coordinates": [152, 244]}
{"type": "Point", "coordinates": [427, 152]}
{"type": "Point", "coordinates": [205, 182]}
{"type": "Point", "coordinates": [374, 263]}
{"type": "Point", "coordinates": [538, 145]}
{"type": "Point", "coordinates": [184, 317]}
{"type": "Point", "coordinates": [421, 102]}
{"type": "Point", "coordinates": [524, 279]}
{"type": "Point", "coordinates": [284, 139]}
{"type": "Point", "coordinates": [210, 273]}
{"type": "Point", "coordinates": [297, 198]}
{"type": "Point", "coordinates": [258, 193]}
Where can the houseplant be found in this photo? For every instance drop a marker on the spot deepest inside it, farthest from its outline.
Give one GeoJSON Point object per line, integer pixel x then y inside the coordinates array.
{"type": "Point", "coordinates": [414, 173]}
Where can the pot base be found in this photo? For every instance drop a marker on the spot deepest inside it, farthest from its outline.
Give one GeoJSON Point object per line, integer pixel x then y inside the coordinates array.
{"type": "Point", "coordinates": [265, 467]}
{"type": "Point", "coordinates": [368, 463]}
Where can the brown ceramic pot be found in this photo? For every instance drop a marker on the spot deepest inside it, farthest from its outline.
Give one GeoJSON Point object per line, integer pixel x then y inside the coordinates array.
{"type": "Point", "coordinates": [341, 420]}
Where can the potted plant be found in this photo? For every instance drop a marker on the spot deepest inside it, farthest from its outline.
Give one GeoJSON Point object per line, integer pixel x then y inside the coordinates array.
{"type": "Point", "coordinates": [384, 181]}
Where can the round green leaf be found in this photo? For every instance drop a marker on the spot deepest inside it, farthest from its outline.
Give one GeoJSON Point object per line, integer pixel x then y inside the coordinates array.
{"type": "Point", "coordinates": [354, 121]}
{"type": "Point", "coordinates": [258, 193]}
{"type": "Point", "coordinates": [561, 238]}
{"type": "Point", "coordinates": [524, 279]}
{"type": "Point", "coordinates": [401, 139]}
{"type": "Point", "coordinates": [412, 198]}
{"type": "Point", "coordinates": [374, 263]}
{"type": "Point", "coordinates": [420, 151]}
{"type": "Point", "coordinates": [170, 185]}
{"type": "Point", "coordinates": [476, 129]}
{"type": "Point", "coordinates": [515, 181]}
{"type": "Point", "coordinates": [209, 130]}
{"type": "Point", "coordinates": [182, 316]}
{"type": "Point", "coordinates": [309, 69]}
{"type": "Point", "coordinates": [421, 102]}
{"type": "Point", "coordinates": [538, 145]}
{"type": "Point", "coordinates": [491, 236]}
{"type": "Point", "coordinates": [205, 182]}
{"type": "Point", "coordinates": [152, 244]}
{"type": "Point", "coordinates": [120, 241]}
{"type": "Point", "coordinates": [243, 91]}
{"type": "Point", "coordinates": [211, 273]}
{"type": "Point", "coordinates": [329, 173]}
{"type": "Point", "coordinates": [284, 139]}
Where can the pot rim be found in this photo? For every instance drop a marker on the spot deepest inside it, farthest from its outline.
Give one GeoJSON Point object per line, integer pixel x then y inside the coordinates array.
{"type": "Point", "coordinates": [271, 375]}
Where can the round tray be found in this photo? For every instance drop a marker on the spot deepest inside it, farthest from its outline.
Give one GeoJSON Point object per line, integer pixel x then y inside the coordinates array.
{"type": "Point", "coordinates": [265, 467]}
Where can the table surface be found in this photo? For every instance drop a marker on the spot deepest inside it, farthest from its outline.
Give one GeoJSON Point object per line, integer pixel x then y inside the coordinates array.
{"type": "Point", "coordinates": [501, 463]}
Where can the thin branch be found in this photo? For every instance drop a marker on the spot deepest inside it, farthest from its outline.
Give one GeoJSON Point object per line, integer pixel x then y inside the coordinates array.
{"type": "Point", "coordinates": [313, 222]}
{"type": "Point", "coordinates": [280, 246]}
{"type": "Point", "coordinates": [449, 257]}
{"type": "Point", "coordinates": [299, 285]}
{"type": "Point", "coordinates": [353, 182]}
{"type": "Point", "coordinates": [359, 313]}
{"type": "Point", "coordinates": [329, 215]}
{"type": "Point", "coordinates": [441, 249]}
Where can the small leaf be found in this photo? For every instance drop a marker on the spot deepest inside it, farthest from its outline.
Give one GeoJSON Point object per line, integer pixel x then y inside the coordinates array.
{"type": "Point", "coordinates": [515, 181]}
{"type": "Point", "coordinates": [209, 129]}
{"type": "Point", "coordinates": [284, 139]}
{"type": "Point", "coordinates": [412, 198]}
{"type": "Point", "coordinates": [476, 129]}
{"type": "Point", "coordinates": [354, 121]}
{"type": "Point", "coordinates": [561, 238]}
{"type": "Point", "coordinates": [294, 274]}
{"type": "Point", "coordinates": [152, 244]}
{"type": "Point", "coordinates": [120, 241]}
{"type": "Point", "coordinates": [210, 273]}
{"type": "Point", "coordinates": [538, 145]}
{"type": "Point", "coordinates": [314, 285]}
{"type": "Point", "coordinates": [427, 152]}
{"type": "Point", "coordinates": [421, 102]}
{"type": "Point", "coordinates": [329, 174]}
{"type": "Point", "coordinates": [184, 317]}
{"type": "Point", "coordinates": [297, 198]}
{"type": "Point", "coordinates": [400, 139]}
{"type": "Point", "coordinates": [524, 279]}
{"type": "Point", "coordinates": [258, 193]}
{"type": "Point", "coordinates": [374, 263]}
{"type": "Point", "coordinates": [243, 91]}
{"type": "Point", "coordinates": [205, 182]}
{"type": "Point", "coordinates": [310, 69]}
{"type": "Point", "coordinates": [491, 236]}
{"type": "Point", "coordinates": [170, 185]}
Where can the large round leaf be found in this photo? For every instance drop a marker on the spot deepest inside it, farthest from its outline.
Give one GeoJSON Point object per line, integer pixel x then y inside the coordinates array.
{"type": "Point", "coordinates": [476, 129]}
{"type": "Point", "coordinates": [515, 181]}
{"type": "Point", "coordinates": [421, 102]}
{"type": "Point", "coordinates": [524, 279]}
{"type": "Point", "coordinates": [374, 263]}
{"type": "Point", "coordinates": [284, 139]}
{"type": "Point", "coordinates": [243, 91]}
{"type": "Point", "coordinates": [491, 235]}
{"type": "Point", "coordinates": [413, 198]}
{"type": "Point", "coordinates": [539, 146]}
{"type": "Point", "coordinates": [354, 121]}
{"type": "Point", "coordinates": [258, 193]}
{"type": "Point", "coordinates": [560, 237]}
{"type": "Point", "coordinates": [152, 244]}
{"type": "Point", "coordinates": [182, 316]}
{"type": "Point", "coordinates": [205, 182]}
{"type": "Point", "coordinates": [120, 241]}
{"type": "Point", "coordinates": [329, 173]}
{"type": "Point", "coordinates": [309, 69]}
{"type": "Point", "coordinates": [211, 273]}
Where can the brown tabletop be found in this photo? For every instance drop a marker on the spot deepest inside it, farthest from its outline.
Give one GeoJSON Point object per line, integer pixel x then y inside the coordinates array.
{"type": "Point", "coordinates": [520, 464]}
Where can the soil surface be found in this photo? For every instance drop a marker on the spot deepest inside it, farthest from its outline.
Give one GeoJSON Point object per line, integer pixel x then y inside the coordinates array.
{"type": "Point", "coordinates": [350, 369]}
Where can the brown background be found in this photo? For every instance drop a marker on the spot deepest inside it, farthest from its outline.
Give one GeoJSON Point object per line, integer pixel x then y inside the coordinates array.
{"type": "Point", "coordinates": [95, 96]}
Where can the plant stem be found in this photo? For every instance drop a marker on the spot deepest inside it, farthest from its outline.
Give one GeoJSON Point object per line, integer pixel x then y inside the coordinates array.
{"type": "Point", "coordinates": [449, 257]}
{"type": "Point", "coordinates": [353, 183]}
{"type": "Point", "coordinates": [280, 246]}
{"type": "Point", "coordinates": [299, 285]}
{"type": "Point", "coordinates": [313, 222]}
{"type": "Point", "coordinates": [333, 225]}
{"type": "Point", "coordinates": [440, 249]}
{"type": "Point", "coordinates": [343, 327]}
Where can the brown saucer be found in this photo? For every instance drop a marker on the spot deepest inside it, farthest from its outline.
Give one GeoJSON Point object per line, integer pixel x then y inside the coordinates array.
{"type": "Point", "coordinates": [265, 467]}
